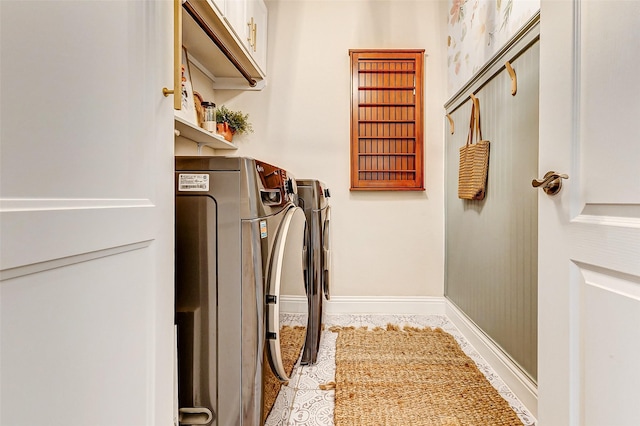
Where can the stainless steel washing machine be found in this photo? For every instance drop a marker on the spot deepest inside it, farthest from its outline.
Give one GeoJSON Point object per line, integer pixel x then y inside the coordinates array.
{"type": "Point", "coordinates": [239, 244]}
{"type": "Point", "coordinates": [313, 198]}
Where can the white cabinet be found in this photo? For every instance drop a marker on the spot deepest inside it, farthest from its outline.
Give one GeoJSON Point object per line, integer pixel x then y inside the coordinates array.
{"type": "Point", "coordinates": [248, 19]}
{"type": "Point", "coordinates": [220, 5]}
{"type": "Point", "coordinates": [240, 26]}
{"type": "Point", "coordinates": [257, 27]}
{"type": "Point", "coordinates": [235, 13]}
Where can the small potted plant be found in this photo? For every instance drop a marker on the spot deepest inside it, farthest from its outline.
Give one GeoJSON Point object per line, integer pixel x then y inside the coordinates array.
{"type": "Point", "coordinates": [228, 122]}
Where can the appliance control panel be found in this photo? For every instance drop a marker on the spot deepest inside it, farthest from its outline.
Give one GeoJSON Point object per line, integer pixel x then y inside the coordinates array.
{"type": "Point", "coordinates": [278, 187]}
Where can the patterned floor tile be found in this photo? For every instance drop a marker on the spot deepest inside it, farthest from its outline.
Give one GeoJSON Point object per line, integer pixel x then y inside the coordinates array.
{"type": "Point", "coordinates": [312, 408]}
{"type": "Point", "coordinates": [293, 319]}
{"type": "Point", "coordinates": [281, 410]}
{"type": "Point", "coordinates": [372, 321]}
{"type": "Point", "coordinates": [324, 370]}
{"type": "Point", "coordinates": [345, 320]}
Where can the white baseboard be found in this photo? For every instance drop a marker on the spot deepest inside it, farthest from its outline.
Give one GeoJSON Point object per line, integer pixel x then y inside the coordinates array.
{"type": "Point", "coordinates": [521, 385]}
{"type": "Point", "coordinates": [418, 305]}
{"type": "Point", "coordinates": [293, 304]}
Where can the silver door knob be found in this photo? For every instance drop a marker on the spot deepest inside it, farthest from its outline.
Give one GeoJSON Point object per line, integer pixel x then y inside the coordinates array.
{"type": "Point", "coordinates": [551, 183]}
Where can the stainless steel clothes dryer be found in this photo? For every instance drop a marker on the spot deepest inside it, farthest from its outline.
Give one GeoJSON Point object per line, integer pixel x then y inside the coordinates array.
{"type": "Point", "coordinates": [313, 198]}
{"type": "Point", "coordinates": [239, 243]}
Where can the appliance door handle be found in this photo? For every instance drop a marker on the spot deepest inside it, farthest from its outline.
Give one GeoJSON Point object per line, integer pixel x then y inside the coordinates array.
{"type": "Point", "coordinates": [195, 416]}
{"type": "Point", "coordinates": [271, 197]}
{"type": "Point", "coordinates": [326, 256]}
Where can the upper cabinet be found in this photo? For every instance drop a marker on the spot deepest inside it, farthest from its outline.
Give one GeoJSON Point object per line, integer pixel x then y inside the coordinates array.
{"type": "Point", "coordinates": [248, 18]}
{"type": "Point", "coordinates": [228, 39]}
{"type": "Point", "coordinates": [257, 39]}
{"type": "Point", "coordinates": [220, 6]}
{"type": "Point", "coordinates": [235, 14]}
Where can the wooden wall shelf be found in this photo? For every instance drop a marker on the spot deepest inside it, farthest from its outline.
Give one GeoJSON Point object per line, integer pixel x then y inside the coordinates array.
{"type": "Point", "coordinates": [201, 136]}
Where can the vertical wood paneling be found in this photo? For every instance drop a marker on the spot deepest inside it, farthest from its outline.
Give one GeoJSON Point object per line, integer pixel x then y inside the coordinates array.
{"type": "Point", "coordinates": [491, 245]}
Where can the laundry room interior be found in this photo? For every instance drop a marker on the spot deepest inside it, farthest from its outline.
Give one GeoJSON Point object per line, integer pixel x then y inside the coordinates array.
{"type": "Point", "coordinates": [191, 278]}
{"type": "Point", "coordinates": [388, 247]}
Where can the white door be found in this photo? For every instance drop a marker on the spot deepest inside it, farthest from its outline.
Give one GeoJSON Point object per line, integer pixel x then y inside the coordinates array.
{"type": "Point", "coordinates": [589, 233]}
{"type": "Point", "coordinates": [86, 213]}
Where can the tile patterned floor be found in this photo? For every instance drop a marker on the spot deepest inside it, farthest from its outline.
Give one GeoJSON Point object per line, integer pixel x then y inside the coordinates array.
{"type": "Point", "coordinates": [302, 402]}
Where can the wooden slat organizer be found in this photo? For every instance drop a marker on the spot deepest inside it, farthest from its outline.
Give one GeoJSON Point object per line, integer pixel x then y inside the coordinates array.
{"type": "Point", "coordinates": [386, 121]}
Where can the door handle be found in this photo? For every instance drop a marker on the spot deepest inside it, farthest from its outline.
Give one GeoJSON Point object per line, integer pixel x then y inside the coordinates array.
{"type": "Point", "coordinates": [177, 57]}
{"type": "Point", "coordinates": [551, 183]}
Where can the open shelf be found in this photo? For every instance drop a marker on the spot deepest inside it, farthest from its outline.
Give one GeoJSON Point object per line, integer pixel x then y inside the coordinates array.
{"type": "Point", "coordinates": [201, 136]}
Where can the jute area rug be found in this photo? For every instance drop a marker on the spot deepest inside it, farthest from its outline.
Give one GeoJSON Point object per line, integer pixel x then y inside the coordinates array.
{"type": "Point", "coordinates": [411, 377]}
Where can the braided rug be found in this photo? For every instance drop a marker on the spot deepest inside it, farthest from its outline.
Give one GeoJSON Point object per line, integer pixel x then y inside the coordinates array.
{"type": "Point", "coordinates": [411, 377]}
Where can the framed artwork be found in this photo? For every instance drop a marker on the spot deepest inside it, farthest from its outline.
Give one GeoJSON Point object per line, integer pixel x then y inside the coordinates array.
{"type": "Point", "coordinates": [188, 111]}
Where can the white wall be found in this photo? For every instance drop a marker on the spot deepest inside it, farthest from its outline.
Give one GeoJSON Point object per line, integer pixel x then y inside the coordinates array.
{"type": "Point", "coordinates": [384, 243]}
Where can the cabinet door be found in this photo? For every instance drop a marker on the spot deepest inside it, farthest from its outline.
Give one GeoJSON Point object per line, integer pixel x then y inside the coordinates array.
{"type": "Point", "coordinates": [235, 13]}
{"type": "Point", "coordinates": [86, 213]}
{"type": "Point", "coordinates": [220, 5]}
{"type": "Point", "coordinates": [257, 10]}
{"type": "Point", "coordinates": [248, 19]}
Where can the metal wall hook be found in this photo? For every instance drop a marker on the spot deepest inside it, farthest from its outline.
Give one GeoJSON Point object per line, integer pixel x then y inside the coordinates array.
{"type": "Point", "coordinates": [551, 183]}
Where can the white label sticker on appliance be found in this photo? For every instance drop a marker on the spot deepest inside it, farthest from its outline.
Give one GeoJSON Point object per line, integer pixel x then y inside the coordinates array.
{"type": "Point", "coordinates": [193, 182]}
{"type": "Point", "coordinates": [263, 229]}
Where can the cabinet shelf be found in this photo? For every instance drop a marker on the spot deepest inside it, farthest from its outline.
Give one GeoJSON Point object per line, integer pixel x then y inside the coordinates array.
{"type": "Point", "coordinates": [387, 71]}
{"type": "Point", "coordinates": [386, 104]}
{"type": "Point", "coordinates": [385, 121]}
{"type": "Point", "coordinates": [402, 138]}
{"type": "Point", "coordinates": [389, 88]}
{"type": "Point", "coordinates": [201, 136]}
{"type": "Point", "coordinates": [386, 154]}
{"type": "Point", "coordinates": [387, 171]}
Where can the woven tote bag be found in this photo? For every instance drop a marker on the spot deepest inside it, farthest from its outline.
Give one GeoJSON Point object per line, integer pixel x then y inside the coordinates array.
{"type": "Point", "coordinates": [474, 160]}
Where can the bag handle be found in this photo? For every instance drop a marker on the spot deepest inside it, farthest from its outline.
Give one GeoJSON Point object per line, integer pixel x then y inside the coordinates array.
{"type": "Point", "coordinates": [472, 122]}
{"type": "Point", "coordinates": [475, 113]}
